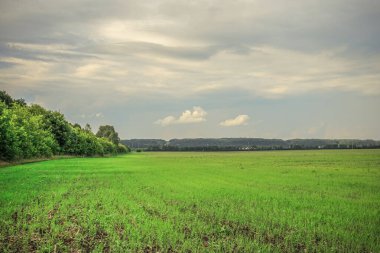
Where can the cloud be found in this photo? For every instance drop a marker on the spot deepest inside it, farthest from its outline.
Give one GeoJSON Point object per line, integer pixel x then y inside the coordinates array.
{"type": "Point", "coordinates": [238, 121]}
{"type": "Point", "coordinates": [189, 116]}
{"type": "Point", "coordinates": [182, 49]}
{"type": "Point", "coordinates": [169, 120]}
{"type": "Point", "coordinates": [88, 70]}
{"type": "Point", "coordinates": [194, 116]}
{"type": "Point", "coordinates": [168, 53]}
{"type": "Point", "coordinates": [91, 116]}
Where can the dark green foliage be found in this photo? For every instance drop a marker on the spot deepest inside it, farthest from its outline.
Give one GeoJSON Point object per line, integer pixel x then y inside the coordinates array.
{"type": "Point", "coordinates": [23, 135]}
{"type": "Point", "coordinates": [32, 132]}
{"type": "Point", "coordinates": [5, 98]}
{"type": "Point", "coordinates": [108, 132]}
{"type": "Point", "coordinates": [9, 101]}
{"type": "Point", "coordinates": [59, 127]}
{"type": "Point", "coordinates": [20, 101]}
{"type": "Point", "coordinates": [88, 128]}
{"type": "Point", "coordinates": [76, 125]}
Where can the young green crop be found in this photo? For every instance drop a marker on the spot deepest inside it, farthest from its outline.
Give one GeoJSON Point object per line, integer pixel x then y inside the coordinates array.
{"type": "Point", "coordinates": [285, 201]}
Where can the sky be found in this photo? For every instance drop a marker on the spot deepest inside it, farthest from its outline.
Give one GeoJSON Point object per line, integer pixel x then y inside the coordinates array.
{"type": "Point", "coordinates": [198, 69]}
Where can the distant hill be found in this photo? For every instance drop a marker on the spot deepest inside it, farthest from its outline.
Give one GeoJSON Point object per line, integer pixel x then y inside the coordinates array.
{"type": "Point", "coordinates": [144, 143]}
{"type": "Point", "coordinates": [232, 144]}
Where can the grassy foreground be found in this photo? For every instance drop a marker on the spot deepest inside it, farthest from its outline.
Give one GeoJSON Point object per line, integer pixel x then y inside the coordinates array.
{"type": "Point", "coordinates": [287, 201]}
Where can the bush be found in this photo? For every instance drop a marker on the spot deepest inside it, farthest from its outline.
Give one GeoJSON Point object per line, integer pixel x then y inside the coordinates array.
{"type": "Point", "coordinates": [123, 149]}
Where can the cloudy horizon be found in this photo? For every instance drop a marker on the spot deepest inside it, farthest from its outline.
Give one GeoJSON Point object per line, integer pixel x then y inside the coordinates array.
{"type": "Point", "coordinates": [186, 69]}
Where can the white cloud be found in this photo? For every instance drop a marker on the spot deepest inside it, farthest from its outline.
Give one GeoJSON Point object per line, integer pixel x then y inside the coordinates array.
{"type": "Point", "coordinates": [189, 116]}
{"type": "Point", "coordinates": [197, 115]}
{"type": "Point", "coordinates": [238, 121]}
{"type": "Point", "coordinates": [169, 120]}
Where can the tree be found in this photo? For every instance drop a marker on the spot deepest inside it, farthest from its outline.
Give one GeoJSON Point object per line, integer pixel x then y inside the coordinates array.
{"type": "Point", "coordinates": [108, 147]}
{"type": "Point", "coordinates": [20, 102]}
{"type": "Point", "coordinates": [87, 128]}
{"type": "Point", "coordinates": [76, 125]}
{"type": "Point", "coordinates": [109, 133]}
{"type": "Point", "coordinates": [22, 134]}
{"type": "Point", "coordinates": [58, 126]}
{"type": "Point", "coordinates": [123, 149]}
{"type": "Point", "coordinates": [9, 101]}
{"type": "Point", "coordinates": [32, 131]}
{"type": "Point", "coordinates": [35, 109]}
{"type": "Point", "coordinates": [4, 97]}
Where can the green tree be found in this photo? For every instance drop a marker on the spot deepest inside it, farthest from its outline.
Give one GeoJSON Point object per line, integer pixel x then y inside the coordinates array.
{"type": "Point", "coordinates": [58, 126]}
{"type": "Point", "coordinates": [122, 148]}
{"type": "Point", "coordinates": [6, 98]}
{"type": "Point", "coordinates": [32, 131]}
{"type": "Point", "coordinates": [23, 135]}
{"type": "Point", "coordinates": [87, 128]}
{"type": "Point", "coordinates": [9, 101]}
{"type": "Point", "coordinates": [76, 125]}
{"type": "Point", "coordinates": [109, 133]}
{"type": "Point", "coordinates": [108, 147]}
{"type": "Point", "coordinates": [20, 101]}
{"type": "Point", "coordinates": [35, 109]}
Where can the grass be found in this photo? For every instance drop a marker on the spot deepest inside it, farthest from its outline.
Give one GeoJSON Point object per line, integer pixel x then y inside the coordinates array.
{"type": "Point", "coordinates": [286, 201]}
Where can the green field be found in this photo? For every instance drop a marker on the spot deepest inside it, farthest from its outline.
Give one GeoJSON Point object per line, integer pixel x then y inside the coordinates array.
{"type": "Point", "coordinates": [285, 201]}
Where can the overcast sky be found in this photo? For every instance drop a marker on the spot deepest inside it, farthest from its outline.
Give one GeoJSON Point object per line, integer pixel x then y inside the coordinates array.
{"type": "Point", "coordinates": [177, 69]}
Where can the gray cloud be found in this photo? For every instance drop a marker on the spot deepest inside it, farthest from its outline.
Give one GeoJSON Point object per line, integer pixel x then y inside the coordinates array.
{"type": "Point", "coordinates": [109, 53]}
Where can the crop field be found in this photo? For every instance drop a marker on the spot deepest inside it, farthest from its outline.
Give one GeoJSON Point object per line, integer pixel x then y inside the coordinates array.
{"type": "Point", "coordinates": [280, 201]}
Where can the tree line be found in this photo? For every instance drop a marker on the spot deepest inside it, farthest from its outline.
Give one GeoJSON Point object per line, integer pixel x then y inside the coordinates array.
{"type": "Point", "coordinates": [246, 144]}
{"type": "Point", "coordinates": [31, 131]}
